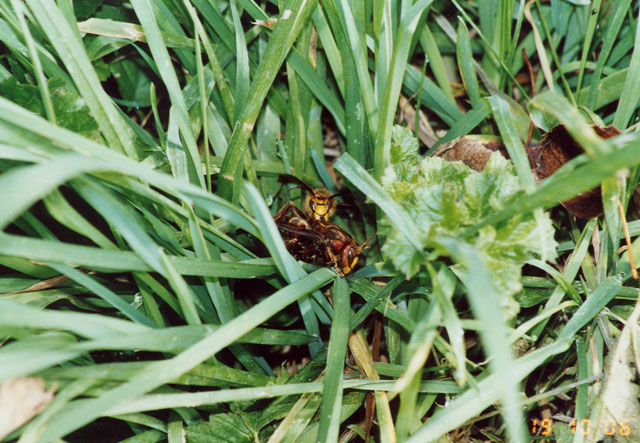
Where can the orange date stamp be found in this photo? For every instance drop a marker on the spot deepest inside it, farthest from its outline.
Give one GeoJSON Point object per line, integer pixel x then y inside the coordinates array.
{"type": "Point", "coordinates": [544, 427]}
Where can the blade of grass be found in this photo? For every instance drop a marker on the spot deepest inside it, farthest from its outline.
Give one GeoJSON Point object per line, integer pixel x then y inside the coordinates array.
{"type": "Point", "coordinates": [586, 47]}
{"type": "Point", "coordinates": [286, 264]}
{"type": "Point", "coordinates": [119, 215]}
{"type": "Point", "coordinates": [358, 49]}
{"type": "Point", "coordinates": [123, 261]}
{"type": "Point", "coordinates": [554, 54]}
{"type": "Point", "coordinates": [73, 54]}
{"type": "Point", "coordinates": [165, 371]}
{"type": "Point", "coordinates": [474, 401]}
{"type": "Point", "coordinates": [22, 187]}
{"type": "Point", "coordinates": [293, 17]}
{"type": "Point", "coordinates": [242, 63]}
{"type": "Point", "coordinates": [160, 54]}
{"type": "Point", "coordinates": [316, 84]}
{"type": "Point", "coordinates": [357, 175]}
{"type": "Point", "coordinates": [203, 112]}
{"type": "Point", "coordinates": [464, 125]}
{"type": "Point", "coordinates": [613, 28]}
{"type": "Point", "coordinates": [630, 92]}
{"type": "Point", "coordinates": [37, 64]}
{"type": "Point", "coordinates": [434, 98]}
{"type": "Point", "coordinates": [333, 390]}
{"type": "Point", "coordinates": [355, 120]}
{"type": "Point", "coordinates": [436, 63]}
{"type": "Point", "coordinates": [21, 121]}
{"type": "Point", "coordinates": [486, 307]}
{"type": "Point", "coordinates": [398, 62]}
{"type": "Point", "coordinates": [514, 146]}
{"type": "Point", "coordinates": [103, 292]}
{"type": "Point", "coordinates": [465, 64]}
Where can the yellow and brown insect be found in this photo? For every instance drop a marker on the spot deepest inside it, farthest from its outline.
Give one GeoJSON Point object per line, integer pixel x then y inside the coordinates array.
{"type": "Point", "coordinates": [310, 237]}
{"type": "Point", "coordinates": [319, 203]}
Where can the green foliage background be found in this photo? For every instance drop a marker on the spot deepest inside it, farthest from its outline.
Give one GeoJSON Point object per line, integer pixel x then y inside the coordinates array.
{"type": "Point", "coordinates": [140, 145]}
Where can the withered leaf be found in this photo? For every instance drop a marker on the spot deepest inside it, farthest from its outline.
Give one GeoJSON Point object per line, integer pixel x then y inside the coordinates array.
{"type": "Point", "coordinates": [472, 150]}
{"type": "Point", "coordinates": [20, 400]}
{"type": "Point", "coordinates": [555, 150]}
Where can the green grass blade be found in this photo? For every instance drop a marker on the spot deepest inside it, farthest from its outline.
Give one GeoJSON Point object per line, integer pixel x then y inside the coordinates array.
{"type": "Point", "coordinates": [586, 47]}
{"type": "Point", "coordinates": [22, 187]}
{"type": "Point", "coordinates": [165, 371]}
{"type": "Point", "coordinates": [514, 146]}
{"type": "Point", "coordinates": [333, 390]}
{"type": "Point", "coordinates": [37, 64]}
{"type": "Point", "coordinates": [436, 62]}
{"type": "Point", "coordinates": [71, 50]}
{"type": "Point", "coordinates": [120, 216]}
{"type": "Point", "coordinates": [494, 337]}
{"type": "Point", "coordinates": [465, 64]}
{"type": "Point", "coordinates": [356, 174]}
{"type": "Point", "coordinates": [398, 62]}
{"type": "Point", "coordinates": [324, 95]}
{"type": "Point", "coordinates": [161, 56]}
{"type": "Point", "coordinates": [123, 261]}
{"type": "Point", "coordinates": [465, 125]}
{"type": "Point", "coordinates": [103, 292]}
{"type": "Point", "coordinates": [618, 15]}
{"type": "Point", "coordinates": [433, 97]}
{"type": "Point", "coordinates": [185, 295]}
{"type": "Point", "coordinates": [287, 265]}
{"type": "Point", "coordinates": [242, 62]}
{"type": "Point", "coordinates": [357, 47]}
{"type": "Point", "coordinates": [473, 401]}
{"type": "Point", "coordinates": [631, 92]}
{"type": "Point", "coordinates": [289, 25]}
{"type": "Point", "coordinates": [569, 274]}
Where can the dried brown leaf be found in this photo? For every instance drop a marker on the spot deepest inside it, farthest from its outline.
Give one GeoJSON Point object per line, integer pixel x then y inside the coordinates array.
{"type": "Point", "coordinates": [556, 149]}
{"type": "Point", "coordinates": [21, 399]}
{"type": "Point", "coordinates": [472, 150]}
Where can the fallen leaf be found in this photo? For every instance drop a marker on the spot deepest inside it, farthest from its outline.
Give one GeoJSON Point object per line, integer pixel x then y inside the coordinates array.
{"type": "Point", "coordinates": [616, 411]}
{"type": "Point", "coordinates": [21, 399]}
{"type": "Point", "coordinates": [557, 148]}
{"type": "Point", "coordinates": [472, 150]}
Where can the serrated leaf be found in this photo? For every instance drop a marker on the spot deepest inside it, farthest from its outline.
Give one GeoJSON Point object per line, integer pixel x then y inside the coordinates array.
{"type": "Point", "coordinates": [445, 198]}
{"type": "Point", "coordinates": [221, 428]}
